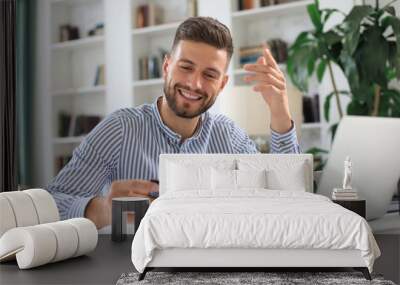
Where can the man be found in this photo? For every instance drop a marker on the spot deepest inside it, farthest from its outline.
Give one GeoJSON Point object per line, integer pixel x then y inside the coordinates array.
{"type": "Point", "coordinates": [123, 150]}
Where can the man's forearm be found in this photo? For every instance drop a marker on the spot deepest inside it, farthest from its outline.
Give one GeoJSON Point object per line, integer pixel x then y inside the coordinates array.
{"type": "Point", "coordinates": [98, 212]}
{"type": "Point", "coordinates": [281, 123]}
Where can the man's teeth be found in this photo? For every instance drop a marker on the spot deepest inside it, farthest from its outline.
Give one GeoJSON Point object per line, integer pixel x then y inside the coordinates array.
{"type": "Point", "coordinates": [189, 95]}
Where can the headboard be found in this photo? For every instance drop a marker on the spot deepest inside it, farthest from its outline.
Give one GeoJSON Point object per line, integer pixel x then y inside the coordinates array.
{"type": "Point", "coordinates": [252, 161]}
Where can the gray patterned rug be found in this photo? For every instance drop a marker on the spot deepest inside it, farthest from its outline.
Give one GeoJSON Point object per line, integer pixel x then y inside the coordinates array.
{"type": "Point", "coordinates": [229, 278]}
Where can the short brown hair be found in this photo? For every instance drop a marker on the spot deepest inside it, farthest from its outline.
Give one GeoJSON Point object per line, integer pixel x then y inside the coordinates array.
{"type": "Point", "coordinates": [205, 30]}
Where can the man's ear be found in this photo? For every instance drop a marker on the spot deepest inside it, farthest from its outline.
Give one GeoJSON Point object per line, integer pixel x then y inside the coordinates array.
{"type": "Point", "coordinates": [224, 82]}
{"type": "Point", "coordinates": [165, 66]}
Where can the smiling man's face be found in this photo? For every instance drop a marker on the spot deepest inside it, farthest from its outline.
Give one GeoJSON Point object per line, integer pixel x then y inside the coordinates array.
{"type": "Point", "coordinates": [194, 74]}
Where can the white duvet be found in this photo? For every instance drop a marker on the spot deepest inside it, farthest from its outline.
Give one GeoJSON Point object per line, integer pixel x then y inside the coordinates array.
{"type": "Point", "coordinates": [252, 218]}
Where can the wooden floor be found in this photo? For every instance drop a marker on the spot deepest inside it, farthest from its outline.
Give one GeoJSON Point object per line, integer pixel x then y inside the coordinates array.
{"type": "Point", "coordinates": [389, 262]}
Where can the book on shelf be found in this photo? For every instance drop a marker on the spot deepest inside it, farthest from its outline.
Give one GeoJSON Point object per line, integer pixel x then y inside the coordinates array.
{"type": "Point", "coordinates": [150, 67]}
{"type": "Point", "coordinates": [84, 124]}
{"type": "Point", "coordinates": [311, 112]}
{"type": "Point", "coordinates": [68, 33]}
{"type": "Point", "coordinates": [100, 76]}
{"type": "Point", "coordinates": [250, 54]}
{"type": "Point", "coordinates": [246, 4]}
{"type": "Point", "coordinates": [64, 122]}
{"type": "Point", "coordinates": [191, 8]}
{"type": "Point", "coordinates": [148, 15]}
{"type": "Point", "coordinates": [76, 125]}
{"type": "Point", "coordinates": [251, 4]}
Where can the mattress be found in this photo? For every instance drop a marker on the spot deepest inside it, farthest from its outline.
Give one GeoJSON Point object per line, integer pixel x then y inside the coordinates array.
{"type": "Point", "coordinates": [252, 219]}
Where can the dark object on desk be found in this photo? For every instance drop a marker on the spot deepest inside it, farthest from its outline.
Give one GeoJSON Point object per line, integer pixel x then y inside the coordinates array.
{"type": "Point", "coordinates": [357, 206]}
{"type": "Point", "coordinates": [154, 194]}
{"type": "Point", "coordinates": [120, 207]}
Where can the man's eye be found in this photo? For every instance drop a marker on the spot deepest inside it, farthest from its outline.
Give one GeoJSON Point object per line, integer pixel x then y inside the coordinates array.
{"type": "Point", "coordinates": [186, 67]}
{"type": "Point", "coordinates": [210, 76]}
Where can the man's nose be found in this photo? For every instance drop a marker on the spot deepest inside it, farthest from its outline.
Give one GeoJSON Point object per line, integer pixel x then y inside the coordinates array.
{"type": "Point", "coordinates": [195, 81]}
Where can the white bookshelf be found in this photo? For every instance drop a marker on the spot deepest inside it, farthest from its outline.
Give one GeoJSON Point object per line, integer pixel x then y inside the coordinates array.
{"type": "Point", "coordinates": [100, 89]}
{"type": "Point", "coordinates": [155, 82]}
{"type": "Point", "coordinates": [156, 30]}
{"type": "Point", "coordinates": [72, 71]}
{"type": "Point", "coordinates": [79, 43]}
{"type": "Point", "coordinates": [66, 70]}
{"type": "Point", "coordinates": [68, 140]}
{"type": "Point", "coordinates": [260, 13]}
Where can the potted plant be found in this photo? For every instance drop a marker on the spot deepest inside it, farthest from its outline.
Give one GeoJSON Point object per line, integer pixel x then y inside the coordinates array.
{"type": "Point", "coordinates": [365, 46]}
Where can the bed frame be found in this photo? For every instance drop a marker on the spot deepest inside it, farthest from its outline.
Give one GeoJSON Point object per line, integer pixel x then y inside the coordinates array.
{"type": "Point", "coordinates": [259, 259]}
{"type": "Point", "coordinates": [250, 259]}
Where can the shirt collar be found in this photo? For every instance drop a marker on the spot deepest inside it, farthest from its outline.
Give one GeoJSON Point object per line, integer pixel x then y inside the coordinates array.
{"type": "Point", "coordinates": [170, 133]}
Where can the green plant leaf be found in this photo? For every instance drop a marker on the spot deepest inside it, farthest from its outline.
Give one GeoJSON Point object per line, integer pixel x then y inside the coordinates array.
{"type": "Point", "coordinates": [390, 10]}
{"type": "Point", "coordinates": [327, 106]}
{"type": "Point", "coordinates": [394, 22]}
{"type": "Point", "coordinates": [311, 62]}
{"type": "Point", "coordinates": [358, 108]}
{"type": "Point", "coordinates": [374, 55]}
{"type": "Point", "coordinates": [315, 16]}
{"type": "Point", "coordinates": [327, 103]}
{"type": "Point", "coordinates": [333, 130]}
{"type": "Point", "coordinates": [316, 150]}
{"type": "Point", "coordinates": [299, 55]}
{"type": "Point", "coordinates": [393, 97]}
{"type": "Point", "coordinates": [327, 13]}
{"type": "Point", "coordinates": [384, 105]}
{"type": "Point", "coordinates": [351, 24]}
{"type": "Point", "coordinates": [321, 70]}
{"type": "Point", "coordinates": [302, 39]}
{"type": "Point", "coordinates": [350, 69]}
{"type": "Point", "coordinates": [331, 37]}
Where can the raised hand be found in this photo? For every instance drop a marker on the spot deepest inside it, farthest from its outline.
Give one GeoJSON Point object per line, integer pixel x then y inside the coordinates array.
{"type": "Point", "coordinates": [270, 82]}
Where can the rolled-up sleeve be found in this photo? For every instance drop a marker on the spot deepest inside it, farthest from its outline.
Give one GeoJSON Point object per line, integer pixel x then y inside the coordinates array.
{"type": "Point", "coordinates": [91, 168]}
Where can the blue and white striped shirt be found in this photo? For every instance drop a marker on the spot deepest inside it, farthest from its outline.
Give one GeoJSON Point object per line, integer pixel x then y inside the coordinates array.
{"type": "Point", "coordinates": [127, 145]}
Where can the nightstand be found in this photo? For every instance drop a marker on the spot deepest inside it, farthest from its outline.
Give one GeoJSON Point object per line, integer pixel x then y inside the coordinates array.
{"type": "Point", "coordinates": [357, 206]}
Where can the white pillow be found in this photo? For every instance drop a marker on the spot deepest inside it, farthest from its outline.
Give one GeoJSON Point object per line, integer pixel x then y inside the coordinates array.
{"type": "Point", "coordinates": [223, 179]}
{"type": "Point", "coordinates": [288, 178]}
{"type": "Point", "coordinates": [187, 177]}
{"type": "Point", "coordinates": [251, 178]}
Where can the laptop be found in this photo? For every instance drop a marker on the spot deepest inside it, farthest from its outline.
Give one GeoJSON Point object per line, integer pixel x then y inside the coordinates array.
{"type": "Point", "coordinates": [373, 143]}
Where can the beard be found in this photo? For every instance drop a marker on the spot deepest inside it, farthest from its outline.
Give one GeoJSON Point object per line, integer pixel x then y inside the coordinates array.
{"type": "Point", "coordinates": [172, 93]}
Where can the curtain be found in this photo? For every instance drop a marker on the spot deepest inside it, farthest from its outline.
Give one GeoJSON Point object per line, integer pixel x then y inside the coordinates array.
{"type": "Point", "coordinates": [8, 156]}
{"type": "Point", "coordinates": [24, 90]}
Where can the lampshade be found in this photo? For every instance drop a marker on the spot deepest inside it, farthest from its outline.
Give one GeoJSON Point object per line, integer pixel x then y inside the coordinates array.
{"type": "Point", "coordinates": [249, 110]}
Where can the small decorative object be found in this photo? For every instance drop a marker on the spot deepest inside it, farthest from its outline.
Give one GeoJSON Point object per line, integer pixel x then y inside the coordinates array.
{"type": "Point", "coordinates": [68, 33]}
{"type": "Point", "coordinates": [346, 192]}
{"type": "Point", "coordinates": [97, 30]}
{"type": "Point", "coordinates": [121, 206]}
{"type": "Point", "coordinates": [347, 174]}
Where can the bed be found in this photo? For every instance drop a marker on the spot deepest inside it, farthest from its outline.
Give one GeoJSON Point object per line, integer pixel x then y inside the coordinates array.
{"type": "Point", "coordinates": [247, 211]}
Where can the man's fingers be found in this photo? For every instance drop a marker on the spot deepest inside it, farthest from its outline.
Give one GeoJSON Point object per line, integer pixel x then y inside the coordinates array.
{"type": "Point", "coordinates": [266, 88]}
{"type": "Point", "coordinates": [268, 78]}
{"type": "Point", "coordinates": [261, 60]}
{"type": "Point", "coordinates": [133, 187]}
{"type": "Point", "coordinates": [269, 58]}
{"type": "Point", "coordinates": [143, 187]}
{"type": "Point", "coordinates": [254, 67]}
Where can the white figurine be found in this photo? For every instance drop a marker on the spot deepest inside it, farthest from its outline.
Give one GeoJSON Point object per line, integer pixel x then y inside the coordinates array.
{"type": "Point", "coordinates": [347, 174]}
